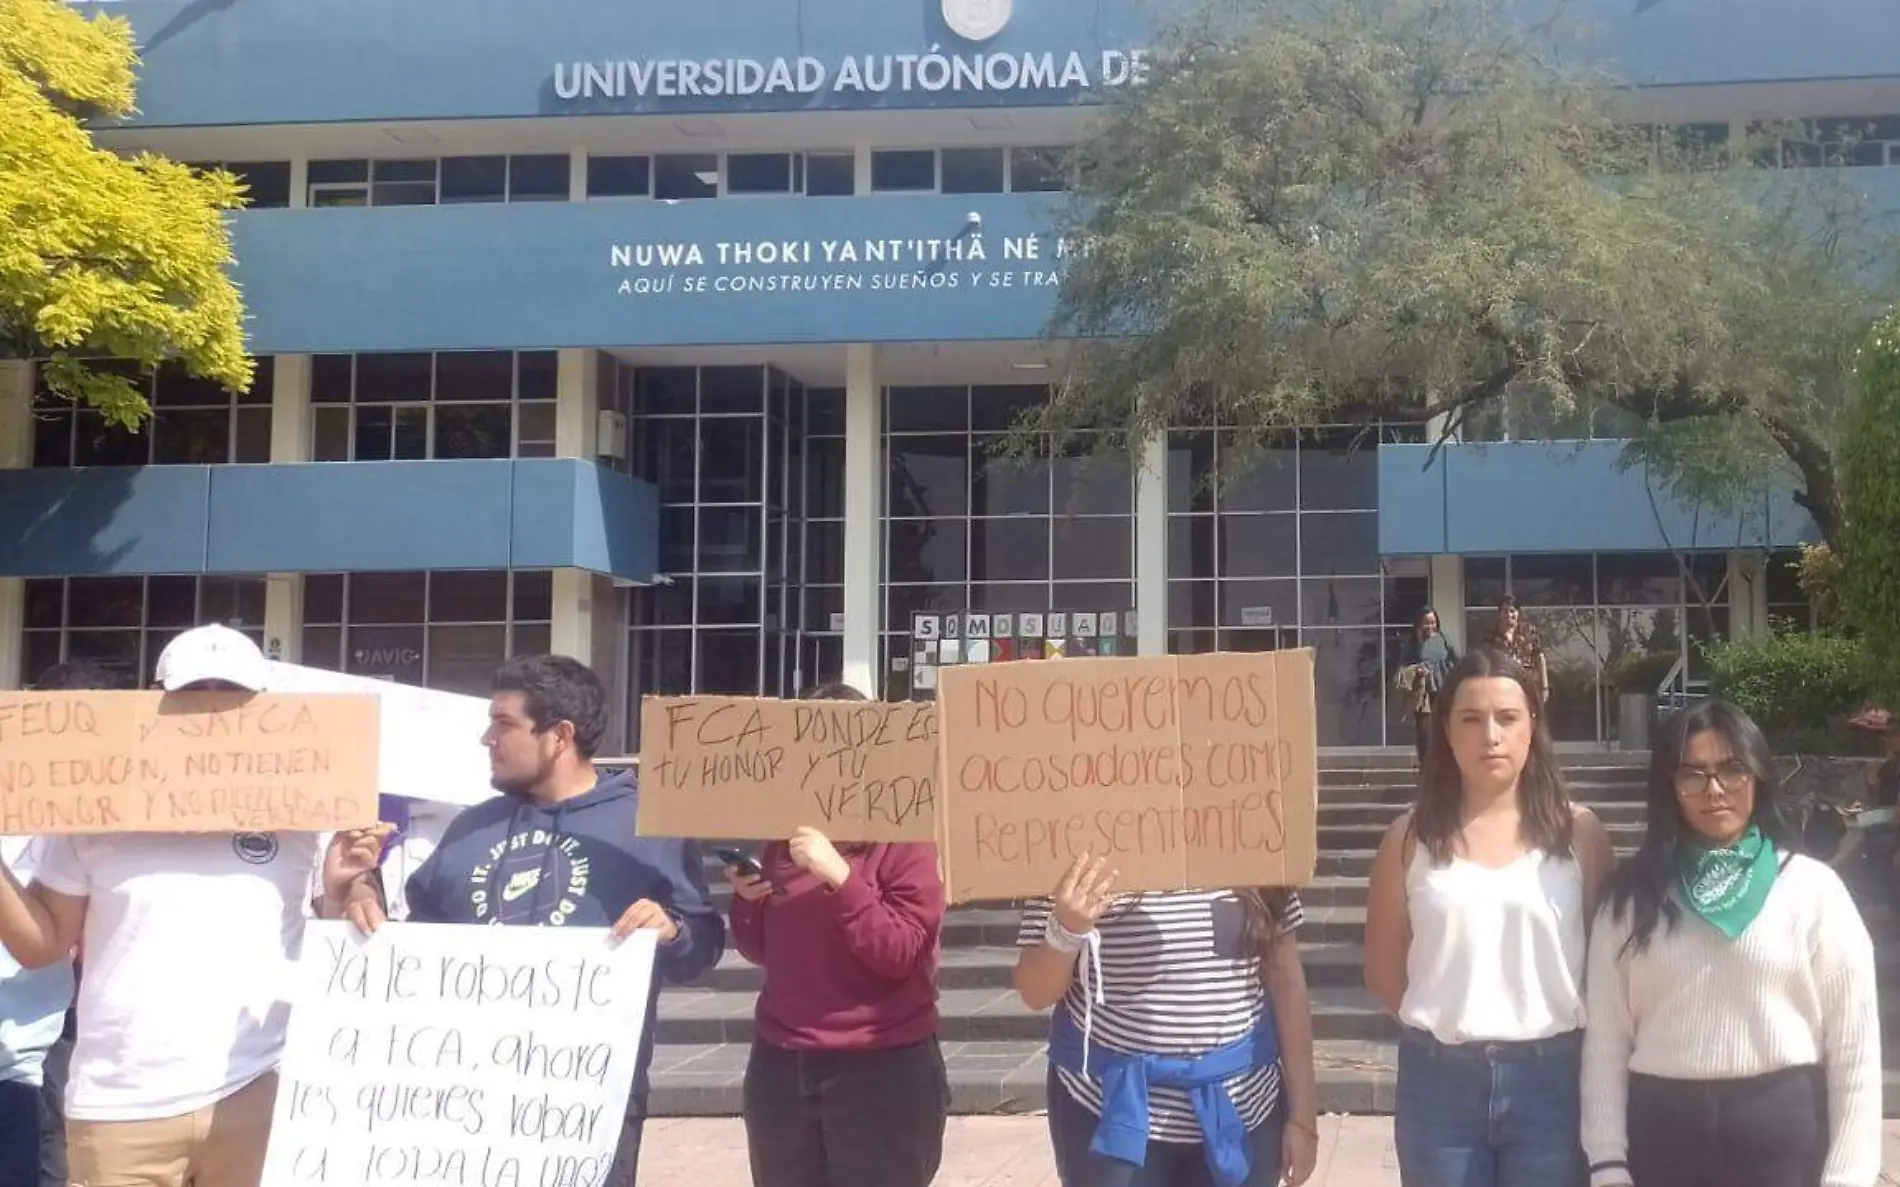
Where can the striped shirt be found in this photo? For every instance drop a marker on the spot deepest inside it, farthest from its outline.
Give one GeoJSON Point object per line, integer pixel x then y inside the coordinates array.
{"type": "Point", "coordinates": [1209, 995]}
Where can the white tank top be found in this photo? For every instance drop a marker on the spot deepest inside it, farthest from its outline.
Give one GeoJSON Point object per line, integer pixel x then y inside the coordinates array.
{"type": "Point", "coordinates": [1497, 955]}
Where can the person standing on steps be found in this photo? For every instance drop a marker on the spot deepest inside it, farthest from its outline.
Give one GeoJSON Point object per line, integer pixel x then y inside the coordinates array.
{"type": "Point", "coordinates": [1181, 1040]}
{"type": "Point", "coordinates": [1475, 941]}
{"type": "Point", "coordinates": [573, 855]}
{"type": "Point", "coordinates": [1432, 659]}
{"type": "Point", "coordinates": [1734, 1035]}
{"type": "Point", "coordinates": [189, 941]}
{"type": "Point", "coordinates": [846, 1085]}
{"type": "Point", "coordinates": [1517, 637]}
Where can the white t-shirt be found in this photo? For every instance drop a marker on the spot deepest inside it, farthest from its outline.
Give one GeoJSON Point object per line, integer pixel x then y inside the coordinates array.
{"type": "Point", "coordinates": [33, 1002]}
{"type": "Point", "coordinates": [188, 946]}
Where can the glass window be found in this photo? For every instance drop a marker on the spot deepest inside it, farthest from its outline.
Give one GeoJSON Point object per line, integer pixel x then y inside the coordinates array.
{"type": "Point", "coordinates": [124, 622]}
{"type": "Point", "coordinates": [534, 596]}
{"type": "Point", "coordinates": [830, 175]}
{"type": "Point", "coordinates": [929, 476]}
{"type": "Point", "coordinates": [1346, 544]}
{"type": "Point", "coordinates": [1009, 549]}
{"type": "Point", "coordinates": [759, 173]}
{"type": "Point", "coordinates": [474, 179]}
{"type": "Point", "coordinates": [474, 375]}
{"type": "Point", "coordinates": [927, 409]}
{"type": "Point", "coordinates": [267, 183]}
{"type": "Point", "coordinates": [619, 177]}
{"type": "Point", "coordinates": [1553, 580]}
{"type": "Point", "coordinates": [679, 176]}
{"type": "Point", "coordinates": [728, 663]}
{"type": "Point", "coordinates": [1255, 479]}
{"type": "Point", "coordinates": [731, 389]}
{"type": "Point", "coordinates": [1094, 548]}
{"type": "Point", "coordinates": [387, 597]}
{"type": "Point", "coordinates": [1339, 479]}
{"type": "Point", "coordinates": [1000, 407]}
{"type": "Point", "coordinates": [972, 171]}
{"type": "Point", "coordinates": [393, 378]}
{"type": "Point", "coordinates": [1638, 579]}
{"type": "Point", "coordinates": [100, 444]}
{"type": "Point", "coordinates": [1343, 601]}
{"type": "Point", "coordinates": [729, 539]}
{"type": "Point", "coordinates": [895, 170]}
{"type": "Point", "coordinates": [537, 371]}
{"type": "Point", "coordinates": [541, 177]}
{"type": "Point", "coordinates": [1259, 546]}
{"type": "Point", "coordinates": [1190, 471]}
{"type": "Point", "coordinates": [1259, 604]}
{"type": "Point", "coordinates": [731, 460]}
{"type": "Point", "coordinates": [1036, 170]}
{"type": "Point", "coordinates": [924, 550]}
{"type": "Point", "coordinates": [402, 183]}
{"type": "Point", "coordinates": [464, 658]}
{"type": "Point", "coordinates": [473, 431]}
{"type": "Point", "coordinates": [323, 597]}
{"type": "Point", "coordinates": [338, 172]}
{"type": "Point", "coordinates": [1007, 485]}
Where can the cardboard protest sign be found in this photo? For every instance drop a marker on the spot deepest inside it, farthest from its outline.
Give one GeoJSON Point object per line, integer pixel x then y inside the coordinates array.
{"type": "Point", "coordinates": [431, 741]}
{"type": "Point", "coordinates": [1184, 771]}
{"type": "Point", "coordinates": [430, 1053]}
{"type": "Point", "coordinates": [756, 768]}
{"type": "Point", "coordinates": [182, 762]}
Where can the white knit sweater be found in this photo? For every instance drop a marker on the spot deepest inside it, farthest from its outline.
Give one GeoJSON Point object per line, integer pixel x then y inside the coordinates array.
{"type": "Point", "coordinates": [1796, 989]}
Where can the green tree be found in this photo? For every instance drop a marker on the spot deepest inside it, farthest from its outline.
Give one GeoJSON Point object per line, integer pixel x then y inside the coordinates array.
{"type": "Point", "coordinates": [1868, 576]}
{"type": "Point", "coordinates": [1327, 211]}
{"type": "Point", "coordinates": [101, 254]}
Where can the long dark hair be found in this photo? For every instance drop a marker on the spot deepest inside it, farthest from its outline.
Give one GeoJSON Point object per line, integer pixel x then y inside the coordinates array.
{"type": "Point", "coordinates": [1543, 800]}
{"type": "Point", "coordinates": [1641, 886]}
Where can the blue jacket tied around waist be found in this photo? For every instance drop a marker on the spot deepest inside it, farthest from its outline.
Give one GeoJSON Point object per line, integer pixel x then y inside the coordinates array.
{"type": "Point", "coordinates": [1125, 1079]}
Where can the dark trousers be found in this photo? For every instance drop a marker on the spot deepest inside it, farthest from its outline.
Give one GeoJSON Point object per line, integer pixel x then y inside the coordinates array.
{"type": "Point", "coordinates": [846, 1118]}
{"type": "Point", "coordinates": [59, 1060]}
{"type": "Point", "coordinates": [1166, 1164]}
{"type": "Point", "coordinates": [1765, 1131]}
{"type": "Point", "coordinates": [19, 1134]}
{"type": "Point", "coordinates": [1422, 734]}
{"type": "Point", "coordinates": [626, 1168]}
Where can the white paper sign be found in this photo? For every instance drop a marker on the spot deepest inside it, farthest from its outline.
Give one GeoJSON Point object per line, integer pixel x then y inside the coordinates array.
{"type": "Point", "coordinates": [462, 1056]}
{"type": "Point", "coordinates": [431, 741]}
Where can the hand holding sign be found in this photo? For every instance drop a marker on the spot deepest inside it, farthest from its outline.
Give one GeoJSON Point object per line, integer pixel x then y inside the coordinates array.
{"type": "Point", "coordinates": [814, 852]}
{"type": "Point", "coordinates": [1084, 894]}
{"type": "Point", "coordinates": [647, 915]}
{"type": "Point", "coordinates": [352, 854]}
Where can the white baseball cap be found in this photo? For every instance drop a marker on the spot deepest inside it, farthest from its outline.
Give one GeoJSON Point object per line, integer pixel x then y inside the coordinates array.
{"type": "Point", "coordinates": [212, 653]}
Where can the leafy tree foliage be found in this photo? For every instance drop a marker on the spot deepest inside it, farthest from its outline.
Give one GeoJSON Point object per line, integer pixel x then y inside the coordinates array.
{"type": "Point", "coordinates": [1327, 211]}
{"type": "Point", "coordinates": [101, 254]}
{"type": "Point", "coordinates": [1869, 572]}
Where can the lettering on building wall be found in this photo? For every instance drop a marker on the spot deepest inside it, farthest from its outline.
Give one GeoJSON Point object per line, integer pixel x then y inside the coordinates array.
{"type": "Point", "coordinates": [768, 266]}
{"type": "Point", "coordinates": [932, 72]}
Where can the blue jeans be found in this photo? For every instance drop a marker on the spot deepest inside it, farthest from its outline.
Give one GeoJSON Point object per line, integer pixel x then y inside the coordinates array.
{"type": "Point", "coordinates": [1168, 1164]}
{"type": "Point", "coordinates": [1490, 1114]}
{"type": "Point", "coordinates": [19, 1134]}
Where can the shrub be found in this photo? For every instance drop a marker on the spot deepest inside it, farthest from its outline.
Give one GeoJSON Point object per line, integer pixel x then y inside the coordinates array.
{"type": "Point", "coordinates": [1800, 688]}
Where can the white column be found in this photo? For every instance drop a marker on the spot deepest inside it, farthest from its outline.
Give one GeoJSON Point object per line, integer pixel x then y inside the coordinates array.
{"type": "Point", "coordinates": [572, 632]}
{"type": "Point", "coordinates": [863, 517]}
{"type": "Point", "coordinates": [1151, 548]}
{"type": "Point", "coordinates": [16, 453]}
{"type": "Point", "coordinates": [299, 183]}
{"type": "Point", "coordinates": [577, 175]}
{"type": "Point", "coordinates": [290, 433]}
{"type": "Point", "coordinates": [1747, 593]}
{"type": "Point", "coordinates": [577, 403]}
{"type": "Point", "coordinates": [1448, 597]}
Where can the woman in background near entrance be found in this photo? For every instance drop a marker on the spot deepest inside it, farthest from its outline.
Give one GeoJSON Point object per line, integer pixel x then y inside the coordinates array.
{"type": "Point", "coordinates": [846, 1085]}
{"type": "Point", "coordinates": [1475, 939]}
{"type": "Point", "coordinates": [1181, 1043]}
{"type": "Point", "coordinates": [1432, 661]}
{"type": "Point", "coordinates": [1734, 1020]}
{"type": "Point", "coordinates": [1514, 635]}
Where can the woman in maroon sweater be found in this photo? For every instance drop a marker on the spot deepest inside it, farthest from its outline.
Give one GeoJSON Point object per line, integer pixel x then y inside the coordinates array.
{"type": "Point", "coordinates": [846, 1084]}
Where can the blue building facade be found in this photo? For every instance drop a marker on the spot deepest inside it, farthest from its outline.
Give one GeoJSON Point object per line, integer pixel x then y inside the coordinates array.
{"type": "Point", "coordinates": [679, 338]}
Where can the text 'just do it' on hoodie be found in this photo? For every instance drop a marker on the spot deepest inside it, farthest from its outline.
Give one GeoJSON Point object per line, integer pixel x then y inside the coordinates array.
{"type": "Point", "coordinates": [510, 862]}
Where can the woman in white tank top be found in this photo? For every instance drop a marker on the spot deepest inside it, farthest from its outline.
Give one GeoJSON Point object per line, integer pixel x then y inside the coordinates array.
{"type": "Point", "coordinates": [1475, 941]}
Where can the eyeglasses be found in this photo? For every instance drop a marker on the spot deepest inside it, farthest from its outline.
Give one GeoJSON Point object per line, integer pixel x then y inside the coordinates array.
{"type": "Point", "coordinates": [1731, 776]}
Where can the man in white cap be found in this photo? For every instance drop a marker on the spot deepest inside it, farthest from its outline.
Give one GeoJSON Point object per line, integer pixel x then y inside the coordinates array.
{"type": "Point", "coordinates": [188, 939]}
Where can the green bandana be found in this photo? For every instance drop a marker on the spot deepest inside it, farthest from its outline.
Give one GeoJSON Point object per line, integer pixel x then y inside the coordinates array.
{"type": "Point", "coordinates": [1728, 887]}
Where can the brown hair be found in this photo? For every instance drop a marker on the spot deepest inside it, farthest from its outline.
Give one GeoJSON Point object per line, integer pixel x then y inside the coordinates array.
{"type": "Point", "coordinates": [1265, 909]}
{"type": "Point", "coordinates": [1543, 799]}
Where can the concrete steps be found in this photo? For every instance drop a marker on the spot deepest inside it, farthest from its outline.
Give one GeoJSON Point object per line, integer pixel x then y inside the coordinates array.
{"type": "Point", "coordinates": [993, 1046]}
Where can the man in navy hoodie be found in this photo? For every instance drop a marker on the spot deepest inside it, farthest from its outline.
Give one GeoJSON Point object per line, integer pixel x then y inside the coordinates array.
{"type": "Point", "coordinates": [558, 847]}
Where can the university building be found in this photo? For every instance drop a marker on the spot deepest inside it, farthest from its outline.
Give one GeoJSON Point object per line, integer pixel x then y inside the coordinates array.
{"type": "Point", "coordinates": [679, 338]}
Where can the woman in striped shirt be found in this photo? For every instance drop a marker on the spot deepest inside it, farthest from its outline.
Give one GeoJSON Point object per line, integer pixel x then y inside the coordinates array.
{"type": "Point", "coordinates": [1181, 1046]}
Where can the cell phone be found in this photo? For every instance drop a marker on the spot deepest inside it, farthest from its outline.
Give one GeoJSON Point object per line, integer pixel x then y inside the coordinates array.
{"type": "Point", "coordinates": [738, 859]}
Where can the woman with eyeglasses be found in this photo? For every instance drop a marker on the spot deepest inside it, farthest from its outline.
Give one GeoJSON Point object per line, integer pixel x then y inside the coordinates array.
{"type": "Point", "coordinates": [1734, 1033]}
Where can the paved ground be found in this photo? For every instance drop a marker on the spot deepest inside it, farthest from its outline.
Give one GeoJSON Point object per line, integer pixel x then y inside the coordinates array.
{"type": "Point", "coordinates": [1014, 1152]}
